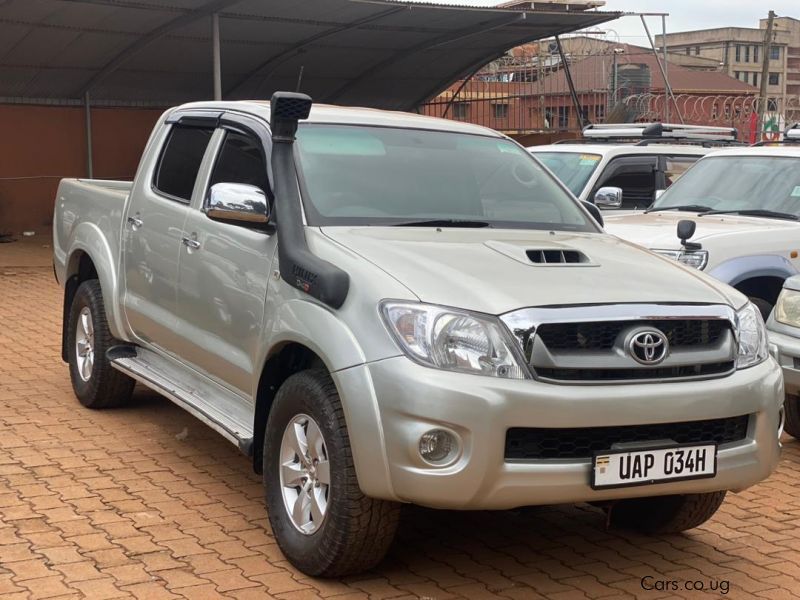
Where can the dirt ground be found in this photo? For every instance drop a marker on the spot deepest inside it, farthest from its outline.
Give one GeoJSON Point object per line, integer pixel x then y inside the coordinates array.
{"type": "Point", "coordinates": [147, 502]}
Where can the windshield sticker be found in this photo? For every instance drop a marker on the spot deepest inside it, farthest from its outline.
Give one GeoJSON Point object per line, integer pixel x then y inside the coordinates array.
{"type": "Point", "coordinates": [588, 159]}
{"type": "Point", "coordinates": [796, 192]}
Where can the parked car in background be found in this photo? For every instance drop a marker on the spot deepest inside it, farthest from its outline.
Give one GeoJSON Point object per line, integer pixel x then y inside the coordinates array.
{"type": "Point", "coordinates": [442, 323]}
{"type": "Point", "coordinates": [784, 342]}
{"type": "Point", "coordinates": [626, 166]}
{"type": "Point", "coordinates": [745, 206]}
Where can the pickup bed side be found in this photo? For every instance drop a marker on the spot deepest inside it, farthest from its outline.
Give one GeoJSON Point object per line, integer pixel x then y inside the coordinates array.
{"type": "Point", "coordinates": [86, 240]}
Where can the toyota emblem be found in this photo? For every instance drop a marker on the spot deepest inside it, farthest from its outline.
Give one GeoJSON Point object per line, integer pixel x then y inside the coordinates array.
{"type": "Point", "coordinates": [648, 347]}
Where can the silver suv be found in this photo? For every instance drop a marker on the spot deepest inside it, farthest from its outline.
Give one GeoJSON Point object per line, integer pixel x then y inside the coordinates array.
{"type": "Point", "coordinates": [381, 308]}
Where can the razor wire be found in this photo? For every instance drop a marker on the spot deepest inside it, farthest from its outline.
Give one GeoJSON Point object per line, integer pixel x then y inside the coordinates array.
{"type": "Point", "coordinates": [524, 91]}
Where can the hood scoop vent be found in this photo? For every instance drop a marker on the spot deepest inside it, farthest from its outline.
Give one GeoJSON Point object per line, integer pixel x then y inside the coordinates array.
{"type": "Point", "coordinates": [541, 254]}
{"type": "Point", "coordinates": [554, 256]}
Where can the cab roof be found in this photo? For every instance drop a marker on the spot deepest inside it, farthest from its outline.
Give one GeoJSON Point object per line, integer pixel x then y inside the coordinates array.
{"type": "Point", "coordinates": [330, 114]}
{"type": "Point", "coordinates": [788, 150]}
{"type": "Point", "coordinates": [604, 149]}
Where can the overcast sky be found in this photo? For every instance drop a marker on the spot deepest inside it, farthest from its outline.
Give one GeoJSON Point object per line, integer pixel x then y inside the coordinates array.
{"type": "Point", "coordinates": [683, 14]}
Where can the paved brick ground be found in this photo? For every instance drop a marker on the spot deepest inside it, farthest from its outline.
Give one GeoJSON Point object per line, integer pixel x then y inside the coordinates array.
{"type": "Point", "coordinates": [147, 502]}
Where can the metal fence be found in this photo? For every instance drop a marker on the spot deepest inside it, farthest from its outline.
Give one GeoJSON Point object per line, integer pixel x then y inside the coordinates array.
{"type": "Point", "coordinates": [528, 92]}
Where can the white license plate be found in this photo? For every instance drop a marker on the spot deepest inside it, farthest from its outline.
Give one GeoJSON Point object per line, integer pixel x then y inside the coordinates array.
{"type": "Point", "coordinates": [620, 468]}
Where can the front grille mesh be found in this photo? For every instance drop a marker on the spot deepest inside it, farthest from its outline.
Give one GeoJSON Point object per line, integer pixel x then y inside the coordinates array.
{"type": "Point", "coordinates": [533, 443]}
{"type": "Point", "coordinates": [624, 374]}
{"type": "Point", "coordinates": [602, 335]}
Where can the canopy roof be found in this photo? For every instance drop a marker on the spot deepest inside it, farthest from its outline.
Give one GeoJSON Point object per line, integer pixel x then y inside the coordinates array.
{"type": "Point", "coordinates": [378, 53]}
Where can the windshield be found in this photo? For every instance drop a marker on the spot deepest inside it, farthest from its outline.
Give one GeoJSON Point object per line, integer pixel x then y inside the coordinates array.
{"type": "Point", "coordinates": [573, 168]}
{"type": "Point", "coordinates": [359, 175]}
{"type": "Point", "coordinates": [737, 183]}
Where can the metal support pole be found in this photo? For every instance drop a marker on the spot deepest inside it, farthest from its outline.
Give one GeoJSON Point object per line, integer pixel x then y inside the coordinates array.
{"type": "Point", "coordinates": [762, 100]}
{"type": "Point", "coordinates": [89, 153]}
{"type": "Point", "coordinates": [666, 65]}
{"type": "Point", "coordinates": [217, 57]}
{"type": "Point", "coordinates": [571, 84]}
{"type": "Point", "coordinates": [667, 87]}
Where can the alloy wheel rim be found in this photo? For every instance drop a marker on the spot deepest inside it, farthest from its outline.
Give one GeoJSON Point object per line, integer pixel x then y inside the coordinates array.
{"type": "Point", "coordinates": [304, 474]}
{"type": "Point", "coordinates": [84, 344]}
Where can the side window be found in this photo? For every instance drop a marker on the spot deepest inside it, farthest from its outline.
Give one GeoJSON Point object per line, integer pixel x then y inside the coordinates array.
{"type": "Point", "coordinates": [180, 161]}
{"type": "Point", "coordinates": [674, 167]}
{"type": "Point", "coordinates": [241, 160]}
{"type": "Point", "coordinates": [636, 178]}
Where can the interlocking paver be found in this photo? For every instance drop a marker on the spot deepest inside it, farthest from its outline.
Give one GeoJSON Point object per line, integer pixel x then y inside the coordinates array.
{"type": "Point", "coordinates": [109, 504]}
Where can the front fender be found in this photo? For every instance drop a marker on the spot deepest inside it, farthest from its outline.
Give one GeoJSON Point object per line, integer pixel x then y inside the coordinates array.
{"type": "Point", "coordinates": [316, 328]}
{"type": "Point", "coordinates": [88, 238]}
{"type": "Point", "coordinates": [319, 329]}
{"type": "Point", "coordinates": [736, 270]}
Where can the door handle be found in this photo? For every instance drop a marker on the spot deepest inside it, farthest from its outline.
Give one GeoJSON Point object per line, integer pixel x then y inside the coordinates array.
{"type": "Point", "coordinates": [135, 222]}
{"type": "Point", "coordinates": [190, 243]}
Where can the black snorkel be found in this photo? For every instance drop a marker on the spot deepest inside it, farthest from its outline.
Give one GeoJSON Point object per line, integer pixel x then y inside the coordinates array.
{"type": "Point", "coordinates": [298, 266]}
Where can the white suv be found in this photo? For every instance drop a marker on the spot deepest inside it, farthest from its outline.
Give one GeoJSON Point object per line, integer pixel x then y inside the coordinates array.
{"type": "Point", "coordinates": [735, 214]}
{"type": "Point", "coordinates": [627, 166]}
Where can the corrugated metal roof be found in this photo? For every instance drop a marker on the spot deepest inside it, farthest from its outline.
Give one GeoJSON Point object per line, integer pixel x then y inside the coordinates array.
{"type": "Point", "coordinates": [371, 53]}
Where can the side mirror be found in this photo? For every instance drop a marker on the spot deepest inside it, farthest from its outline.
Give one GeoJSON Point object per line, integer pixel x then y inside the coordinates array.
{"type": "Point", "coordinates": [237, 203]}
{"type": "Point", "coordinates": [608, 197]}
{"type": "Point", "coordinates": [686, 229]}
{"type": "Point", "coordinates": [594, 211]}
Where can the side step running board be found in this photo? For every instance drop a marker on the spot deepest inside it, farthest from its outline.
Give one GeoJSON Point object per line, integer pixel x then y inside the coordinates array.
{"type": "Point", "coordinates": [225, 412]}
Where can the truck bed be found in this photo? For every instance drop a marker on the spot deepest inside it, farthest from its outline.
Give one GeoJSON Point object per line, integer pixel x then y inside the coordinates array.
{"type": "Point", "coordinates": [93, 207]}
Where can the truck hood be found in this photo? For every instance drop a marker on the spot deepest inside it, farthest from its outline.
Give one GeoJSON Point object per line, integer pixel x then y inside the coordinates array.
{"type": "Point", "coordinates": [658, 229]}
{"type": "Point", "coordinates": [488, 270]}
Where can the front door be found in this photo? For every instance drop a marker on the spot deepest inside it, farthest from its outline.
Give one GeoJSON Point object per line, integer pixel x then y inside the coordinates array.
{"type": "Point", "coordinates": [223, 276]}
{"type": "Point", "coordinates": [153, 230]}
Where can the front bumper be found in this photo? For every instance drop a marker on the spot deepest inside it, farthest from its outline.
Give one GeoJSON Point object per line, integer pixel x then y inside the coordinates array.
{"type": "Point", "coordinates": [786, 351]}
{"type": "Point", "coordinates": [408, 400]}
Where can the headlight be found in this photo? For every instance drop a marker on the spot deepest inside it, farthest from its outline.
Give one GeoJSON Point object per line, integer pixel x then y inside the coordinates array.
{"type": "Point", "coordinates": [454, 340]}
{"type": "Point", "coordinates": [787, 310]}
{"type": "Point", "coordinates": [691, 258]}
{"type": "Point", "coordinates": [752, 337]}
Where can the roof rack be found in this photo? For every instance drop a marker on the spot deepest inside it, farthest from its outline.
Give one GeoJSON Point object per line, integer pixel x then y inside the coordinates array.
{"type": "Point", "coordinates": [791, 135]}
{"type": "Point", "coordinates": [663, 132]}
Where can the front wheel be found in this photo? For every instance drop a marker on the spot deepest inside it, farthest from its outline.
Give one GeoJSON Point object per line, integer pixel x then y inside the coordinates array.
{"type": "Point", "coordinates": [666, 514]}
{"type": "Point", "coordinates": [763, 306]}
{"type": "Point", "coordinates": [322, 521]}
{"type": "Point", "coordinates": [791, 409]}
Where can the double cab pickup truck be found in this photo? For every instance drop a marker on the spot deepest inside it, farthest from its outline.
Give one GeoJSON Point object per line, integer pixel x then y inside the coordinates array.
{"type": "Point", "coordinates": [381, 308]}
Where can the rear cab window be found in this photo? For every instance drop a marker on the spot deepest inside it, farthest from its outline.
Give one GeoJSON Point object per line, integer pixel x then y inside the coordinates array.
{"type": "Point", "coordinates": [180, 161]}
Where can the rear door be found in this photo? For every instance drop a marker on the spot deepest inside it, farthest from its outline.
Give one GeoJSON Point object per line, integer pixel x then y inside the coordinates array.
{"type": "Point", "coordinates": [153, 230]}
{"type": "Point", "coordinates": [225, 269]}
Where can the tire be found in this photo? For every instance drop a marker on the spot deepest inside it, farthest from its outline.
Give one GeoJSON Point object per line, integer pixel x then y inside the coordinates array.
{"type": "Point", "coordinates": [762, 305]}
{"type": "Point", "coordinates": [355, 531]}
{"type": "Point", "coordinates": [791, 409]}
{"type": "Point", "coordinates": [100, 385]}
{"type": "Point", "coordinates": [665, 514]}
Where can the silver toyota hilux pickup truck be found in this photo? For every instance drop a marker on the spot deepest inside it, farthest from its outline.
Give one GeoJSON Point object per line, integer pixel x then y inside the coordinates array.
{"type": "Point", "coordinates": [382, 308]}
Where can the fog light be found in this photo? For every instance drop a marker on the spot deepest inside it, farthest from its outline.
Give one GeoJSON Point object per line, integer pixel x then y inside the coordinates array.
{"type": "Point", "coordinates": [438, 446]}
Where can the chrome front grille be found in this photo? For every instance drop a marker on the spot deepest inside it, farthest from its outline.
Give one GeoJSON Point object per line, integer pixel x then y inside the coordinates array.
{"type": "Point", "coordinates": [593, 344]}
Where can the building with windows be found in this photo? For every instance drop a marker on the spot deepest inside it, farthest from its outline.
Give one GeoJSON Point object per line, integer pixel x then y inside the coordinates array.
{"type": "Point", "coordinates": [622, 82]}
{"type": "Point", "coordinates": [739, 53]}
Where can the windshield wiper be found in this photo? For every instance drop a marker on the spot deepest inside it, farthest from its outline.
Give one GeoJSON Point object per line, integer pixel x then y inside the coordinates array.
{"type": "Point", "coordinates": [687, 207]}
{"type": "Point", "coordinates": [755, 212]}
{"type": "Point", "coordinates": [443, 223]}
